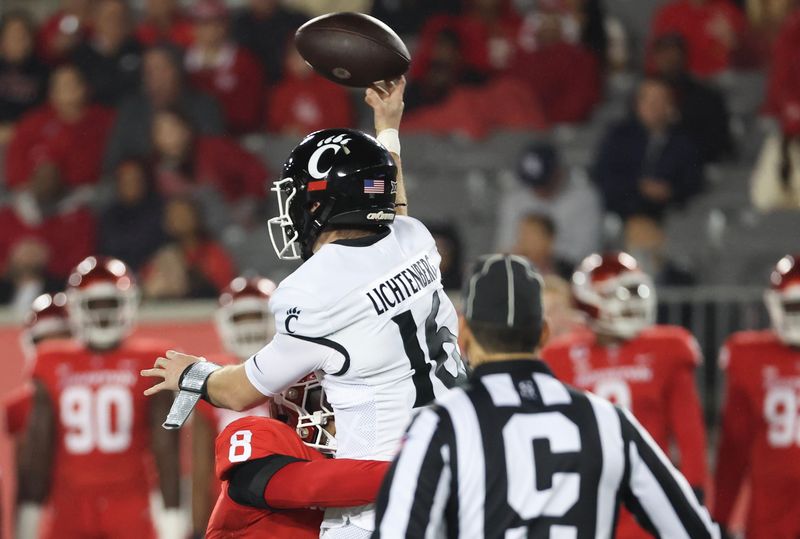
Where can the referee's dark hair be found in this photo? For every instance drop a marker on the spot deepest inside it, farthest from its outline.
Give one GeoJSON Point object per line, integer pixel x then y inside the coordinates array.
{"type": "Point", "coordinates": [509, 323]}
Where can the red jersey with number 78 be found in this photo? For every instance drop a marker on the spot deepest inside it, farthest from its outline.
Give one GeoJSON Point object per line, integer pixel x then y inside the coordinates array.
{"type": "Point", "coordinates": [760, 438]}
{"type": "Point", "coordinates": [311, 481]}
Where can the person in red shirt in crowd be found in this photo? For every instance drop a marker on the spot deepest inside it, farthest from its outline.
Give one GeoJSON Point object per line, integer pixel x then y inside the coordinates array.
{"type": "Point", "coordinates": [221, 68]}
{"type": "Point", "coordinates": [68, 133]}
{"type": "Point", "coordinates": [304, 102]}
{"type": "Point", "coordinates": [565, 95]}
{"type": "Point", "coordinates": [163, 21]}
{"type": "Point", "coordinates": [64, 30]}
{"type": "Point", "coordinates": [275, 473]}
{"type": "Point", "coordinates": [184, 160]}
{"type": "Point", "coordinates": [45, 321]}
{"type": "Point", "coordinates": [760, 437]}
{"type": "Point", "coordinates": [244, 325]}
{"type": "Point", "coordinates": [783, 92]}
{"type": "Point", "coordinates": [488, 31]}
{"type": "Point", "coordinates": [647, 369]}
{"type": "Point", "coordinates": [713, 30]}
{"type": "Point", "coordinates": [192, 265]}
{"type": "Point", "coordinates": [93, 436]}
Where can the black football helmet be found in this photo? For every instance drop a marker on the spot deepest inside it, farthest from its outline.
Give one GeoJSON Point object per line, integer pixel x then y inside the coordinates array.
{"type": "Point", "coordinates": [335, 178]}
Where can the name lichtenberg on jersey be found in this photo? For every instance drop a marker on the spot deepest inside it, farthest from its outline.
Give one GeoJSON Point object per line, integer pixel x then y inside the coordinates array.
{"type": "Point", "coordinates": [408, 282]}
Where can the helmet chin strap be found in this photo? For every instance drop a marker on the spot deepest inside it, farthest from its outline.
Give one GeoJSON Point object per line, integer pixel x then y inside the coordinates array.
{"type": "Point", "coordinates": [314, 227]}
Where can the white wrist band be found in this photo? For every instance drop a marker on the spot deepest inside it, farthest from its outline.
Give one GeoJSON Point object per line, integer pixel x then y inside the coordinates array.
{"type": "Point", "coordinates": [390, 138]}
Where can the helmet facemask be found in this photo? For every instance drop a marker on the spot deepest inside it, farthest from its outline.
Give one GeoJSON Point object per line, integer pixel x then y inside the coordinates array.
{"type": "Point", "coordinates": [306, 407]}
{"type": "Point", "coordinates": [283, 233]}
{"type": "Point", "coordinates": [102, 315]}
{"type": "Point", "coordinates": [625, 305]}
{"type": "Point", "coordinates": [244, 325]}
{"type": "Point", "coordinates": [784, 313]}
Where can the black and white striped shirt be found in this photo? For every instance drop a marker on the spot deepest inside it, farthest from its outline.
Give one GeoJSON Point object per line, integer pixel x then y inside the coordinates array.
{"type": "Point", "coordinates": [518, 454]}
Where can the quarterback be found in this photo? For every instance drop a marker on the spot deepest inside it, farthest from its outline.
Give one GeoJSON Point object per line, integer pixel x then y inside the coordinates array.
{"type": "Point", "coordinates": [365, 310]}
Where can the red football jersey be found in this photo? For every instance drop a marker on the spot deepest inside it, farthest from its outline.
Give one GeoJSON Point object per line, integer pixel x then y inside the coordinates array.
{"type": "Point", "coordinates": [17, 408]}
{"type": "Point", "coordinates": [103, 425]}
{"type": "Point", "coordinates": [317, 482]}
{"type": "Point", "coordinates": [653, 375]}
{"type": "Point", "coordinates": [760, 439]}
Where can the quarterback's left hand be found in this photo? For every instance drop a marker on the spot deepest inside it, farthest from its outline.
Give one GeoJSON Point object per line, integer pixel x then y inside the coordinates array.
{"type": "Point", "coordinates": [170, 369]}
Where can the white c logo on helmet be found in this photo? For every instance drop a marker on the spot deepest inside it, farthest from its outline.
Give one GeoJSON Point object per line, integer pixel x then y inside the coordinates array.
{"type": "Point", "coordinates": [331, 143]}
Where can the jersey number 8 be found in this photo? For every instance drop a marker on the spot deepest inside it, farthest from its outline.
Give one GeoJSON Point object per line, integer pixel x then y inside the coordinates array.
{"type": "Point", "coordinates": [90, 420]}
{"type": "Point", "coordinates": [241, 446]}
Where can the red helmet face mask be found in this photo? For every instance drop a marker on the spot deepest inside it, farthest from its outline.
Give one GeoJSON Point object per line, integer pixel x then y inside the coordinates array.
{"type": "Point", "coordinates": [243, 319]}
{"type": "Point", "coordinates": [305, 407]}
{"type": "Point", "coordinates": [617, 297]}
{"type": "Point", "coordinates": [102, 300]}
{"type": "Point", "coordinates": [46, 320]}
{"type": "Point", "coordinates": [783, 299]}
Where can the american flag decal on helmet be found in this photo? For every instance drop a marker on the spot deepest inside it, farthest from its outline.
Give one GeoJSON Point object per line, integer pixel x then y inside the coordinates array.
{"type": "Point", "coordinates": [373, 187]}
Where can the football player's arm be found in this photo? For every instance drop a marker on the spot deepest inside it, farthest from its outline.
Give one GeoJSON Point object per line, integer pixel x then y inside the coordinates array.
{"type": "Point", "coordinates": [733, 451]}
{"type": "Point", "coordinates": [656, 493]}
{"type": "Point", "coordinates": [284, 361]}
{"type": "Point", "coordinates": [36, 463]}
{"type": "Point", "coordinates": [387, 104]}
{"type": "Point", "coordinates": [202, 472]}
{"type": "Point", "coordinates": [282, 482]}
{"type": "Point", "coordinates": [687, 426]}
{"type": "Point", "coordinates": [420, 472]}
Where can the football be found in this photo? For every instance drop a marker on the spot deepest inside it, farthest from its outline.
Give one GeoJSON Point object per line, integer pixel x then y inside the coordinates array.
{"type": "Point", "coordinates": [352, 49]}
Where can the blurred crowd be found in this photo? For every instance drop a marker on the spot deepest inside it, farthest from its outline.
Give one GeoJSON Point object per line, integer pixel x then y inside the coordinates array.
{"type": "Point", "coordinates": [122, 128]}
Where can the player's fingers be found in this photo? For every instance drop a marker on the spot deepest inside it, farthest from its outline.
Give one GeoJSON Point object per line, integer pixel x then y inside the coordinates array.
{"type": "Point", "coordinates": [160, 363]}
{"type": "Point", "coordinates": [155, 389]}
{"type": "Point", "coordinates": [381, 88]}
{"type": "Point", "coordinates": [371, 97]}
{"type": "Point", "coordinates": [180, 356]}
{"type": "Point", "coordinates": [153, 373]}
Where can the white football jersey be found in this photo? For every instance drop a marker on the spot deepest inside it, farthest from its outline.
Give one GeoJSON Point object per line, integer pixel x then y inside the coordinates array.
{"type": "Point", "coordinates": [370, 317]}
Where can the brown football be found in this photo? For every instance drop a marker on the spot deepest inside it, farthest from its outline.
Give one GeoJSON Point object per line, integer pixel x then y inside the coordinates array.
{"type": "Point", "coordinates": [352, 49]}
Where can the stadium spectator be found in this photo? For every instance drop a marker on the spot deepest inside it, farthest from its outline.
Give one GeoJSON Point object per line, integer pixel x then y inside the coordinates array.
{"type": "Point", "coordinates": [536, 237]}
{"type": "Point", "coordinates": [647, 163]}
{"type": "Point", "coordinates": [702, 108]}
{"type": "Point", "coordinates": [44, 210]}
{"type": "Point", "coordinates": [645, 240]}
{"type": "Point", "coordinates": [305, 102]}
{"type": "Point", "coordinates": [565, 95]}
{"type": "Point", "coordinates": [766, 18]}
{"type": "Point", "coordinates": [68, 132]}
{"type": "Point", "coordinates": [448, 243]}
{"type": "Point", "coordinates": [488, 31]}
{"type": "Point", "coordinates": [218, 66]}
{"type": "Point", "coordinates": [64, 30]}
{"type": "Point", "coordinates": [445, 71]}
{"type": "Point", "coordinates": [25, 276]}
{"type": "Point", "coordinates": [111, 58]}
{"type": "Point", "coordinates": [266, 27]}
{"type": "Point", "coordinates": [23, 78]}
{"type": "Point", "coordinates": [713, 30]}
{"type": "Point", "coordinates": [163, 87]}
{"type": "Point", "coordinates": [192, 265]}
{"type": "Point", "coordinates": [545, 186]}
{"type": "Point", "coordinates": [783, 95]}
{"type": "Point", "coordinates": [184, 161]}
{"type": "Point", "coordinates": [164, 22]}
{"type": "Point", "coordinates": [408, 16]}
{"type": "Point", "coordinates": [130, 228]}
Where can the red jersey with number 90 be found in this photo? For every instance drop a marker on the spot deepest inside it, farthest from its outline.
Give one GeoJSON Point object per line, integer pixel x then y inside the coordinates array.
{"type": "Point", "coordinates": [760, 439]}
{"type": "Point", "coordinates": [102, 417]}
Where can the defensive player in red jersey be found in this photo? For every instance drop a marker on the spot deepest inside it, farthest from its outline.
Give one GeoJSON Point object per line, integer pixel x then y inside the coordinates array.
{"type": "Point", "coordinates": [244, 324]}
{"type": "Point", "coordinates": [625, 358]}
{"type": "Point", "coordinates": [760, 439]}
{"type": "Point", "coordinates": [92, 435]}
{"type": "Point", "coordinates": [273, 475]}
{"type": "Point", "coordinates": [46, 320]}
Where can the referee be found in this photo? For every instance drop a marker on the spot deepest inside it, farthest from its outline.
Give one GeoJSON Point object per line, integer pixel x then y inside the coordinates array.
{"type": "Point", "coordinates": [518, 454]}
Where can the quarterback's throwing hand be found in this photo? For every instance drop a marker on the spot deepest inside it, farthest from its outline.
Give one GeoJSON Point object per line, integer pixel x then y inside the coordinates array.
{"type": "Point", "coordinates": [386, 101]}
{"type": "Point", "coordinates": [170, 369]}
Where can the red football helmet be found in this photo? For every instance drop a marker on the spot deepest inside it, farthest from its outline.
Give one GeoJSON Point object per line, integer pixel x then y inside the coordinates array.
{"type": "Point", "coordinates": [783, 299]}
{"type": "Point", "coordinates": [618, 298]}
{"type": "Point", "coordinates": [47, 319]}
{"type": "Point", "coordinates": [244, 323]}
{"type": "Point", "coordinates": [305, 407]}
{"type": "Point", "coordinates": [102, 300]}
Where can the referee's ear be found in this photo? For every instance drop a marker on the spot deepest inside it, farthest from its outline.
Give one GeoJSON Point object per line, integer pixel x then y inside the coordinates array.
{"type": "Point", "coordinates": [544, 336]}
{"type": "Point", "coordinates": [465, 337]}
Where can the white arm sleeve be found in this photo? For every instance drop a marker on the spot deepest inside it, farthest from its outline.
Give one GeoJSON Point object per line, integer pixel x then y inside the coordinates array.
{"type": "Point", "coordinates": [287, 359]}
